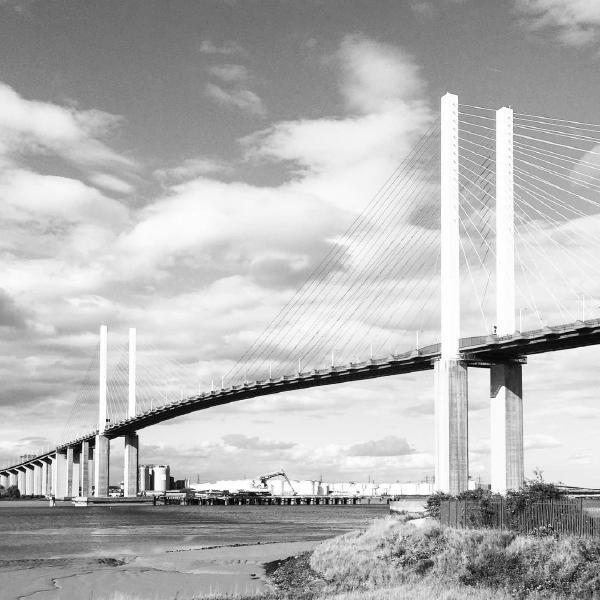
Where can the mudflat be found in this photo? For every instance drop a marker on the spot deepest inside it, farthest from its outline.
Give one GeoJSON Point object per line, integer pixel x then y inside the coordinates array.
{"type": "Point", "coordinates": [185, 574]}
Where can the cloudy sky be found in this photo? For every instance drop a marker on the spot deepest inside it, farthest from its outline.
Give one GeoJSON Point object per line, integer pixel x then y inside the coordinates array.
{"type": "Point", "coordinates": [182, 167]}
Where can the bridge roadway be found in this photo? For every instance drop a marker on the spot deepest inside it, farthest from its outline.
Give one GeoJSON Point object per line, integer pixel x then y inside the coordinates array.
{"type": "Point", "coordinates": [478, 351]}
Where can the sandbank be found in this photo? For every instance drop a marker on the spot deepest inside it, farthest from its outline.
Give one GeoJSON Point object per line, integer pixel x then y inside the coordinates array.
{"type": "Point", "coordinates": [185, 573]}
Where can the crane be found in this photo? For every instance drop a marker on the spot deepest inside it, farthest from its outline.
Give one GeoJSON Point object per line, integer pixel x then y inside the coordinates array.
{"type": "Point", "coordinates": [264, 478]}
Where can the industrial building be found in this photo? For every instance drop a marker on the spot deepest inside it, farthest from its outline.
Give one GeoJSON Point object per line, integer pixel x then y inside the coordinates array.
{"type": "Point", "coordinates": [154, 478]}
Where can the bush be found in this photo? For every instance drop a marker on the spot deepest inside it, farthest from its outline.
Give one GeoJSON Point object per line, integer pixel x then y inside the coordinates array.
{"type": "Point", "coordinates": [12, 491]}
{"type": "Point", "coordinates": [432, 507]}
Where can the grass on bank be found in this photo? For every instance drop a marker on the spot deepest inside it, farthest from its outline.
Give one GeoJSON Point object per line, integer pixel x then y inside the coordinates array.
{"type": "Point", "coordinates": [392, 553]}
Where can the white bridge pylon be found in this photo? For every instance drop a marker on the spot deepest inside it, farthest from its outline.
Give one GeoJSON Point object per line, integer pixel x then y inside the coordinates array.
{"type": "Point", "coordinates": [451, 370]}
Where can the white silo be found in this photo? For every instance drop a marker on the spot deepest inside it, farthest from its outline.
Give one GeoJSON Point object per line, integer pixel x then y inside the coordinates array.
{"type": "Point", "coordinates": [145, 478]}
{"type": "Point", "coordinates": [161, 478]}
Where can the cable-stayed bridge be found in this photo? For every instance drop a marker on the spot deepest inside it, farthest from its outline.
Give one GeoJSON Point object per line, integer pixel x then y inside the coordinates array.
{"type": "Point", "coordinates": [478, 251]}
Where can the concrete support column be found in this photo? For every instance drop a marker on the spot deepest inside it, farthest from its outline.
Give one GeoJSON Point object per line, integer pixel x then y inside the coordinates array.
{"type": "Point", "coordinates": [84, 469]}
{"type": "Point", "coordinates": [37, 480]}
{"type": "Point", "coordinates": [45, 488]}
{"type": "Point", "coordinates": [506, 414]}
{"type": "Point", "coordinates": [53, 474]}
{"type": "Point", "coordinates": [29, 480]}
{"type": "Point", "coordinates": [451, 426]}
{"type": "Point", "coordinates": [76, 479]}
{"type": "Point", "coordinates": [21, 481]}
{"type": "Point", "coordinates": [101, 465]}
{"type": "Point", "coordinates": [60, 481]}
{"type": "Point", "coordinates": [130, 474]}
{"type": "Point", "coordinates": [4, 480]}
{"type": "Point", "coordinates": [69, 473]}
{"type": "Point", "coordinates": [12, 479]}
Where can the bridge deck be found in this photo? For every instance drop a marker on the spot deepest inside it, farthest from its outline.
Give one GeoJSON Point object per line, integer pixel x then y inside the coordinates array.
{"type": "Point", "coordinates": [480, 350]}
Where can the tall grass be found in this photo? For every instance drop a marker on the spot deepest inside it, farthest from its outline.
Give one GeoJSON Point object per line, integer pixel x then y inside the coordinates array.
{"type": "Point", "coordinates": [395, 554]}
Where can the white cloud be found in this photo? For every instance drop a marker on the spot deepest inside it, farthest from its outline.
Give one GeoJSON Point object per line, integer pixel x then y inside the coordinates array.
{"type": "Point", "coordinates": [227, 48]}
{"type": "Point", "coordinates": [31, 126]}
{"type": "Point", "coordinates": [111, 183]}
{"type": "Point", "coordinates": [376, 76]}
{"type": "Point", "coordinates": [230, 73]}
{"type": "Point", "coordinates": [538, 441]}
{"type": "Point", "coordinates": [244, 442]}
{"type": "Point", "coordinates": [576, 22]}
{"type": "Point", "coordinates": [388, 446]}
{"type": "Point", "coordinates": [243, 99]}
{"type": "Point", "coordinates": [28, 195]}
{"type": "Point", "coordinates": [190, 169]}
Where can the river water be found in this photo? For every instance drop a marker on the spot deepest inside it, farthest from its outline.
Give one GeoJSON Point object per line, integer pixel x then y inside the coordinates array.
{"type": "Point", "coordinates": [35, 531]}
{"type": "Point", "coordinates": [156, 552]}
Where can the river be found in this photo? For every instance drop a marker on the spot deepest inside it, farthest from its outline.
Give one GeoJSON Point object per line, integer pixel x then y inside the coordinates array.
{"type": "Point", "coordinates": [131, 548]}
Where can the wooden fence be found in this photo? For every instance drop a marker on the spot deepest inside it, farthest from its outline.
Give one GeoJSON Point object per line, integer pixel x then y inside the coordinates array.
{"type": "Point", "coordinates": [578, 516]}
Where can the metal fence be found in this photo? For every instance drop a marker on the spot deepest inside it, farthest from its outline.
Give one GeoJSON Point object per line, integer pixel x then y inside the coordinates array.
{"type": "Point", "coordinates": [578, 516]}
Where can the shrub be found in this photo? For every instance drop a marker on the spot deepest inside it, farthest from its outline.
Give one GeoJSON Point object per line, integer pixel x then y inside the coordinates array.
{"type": "Point", "coordinates": [12, 491]}
{"type": "Point", "coordinates": [432, 507]}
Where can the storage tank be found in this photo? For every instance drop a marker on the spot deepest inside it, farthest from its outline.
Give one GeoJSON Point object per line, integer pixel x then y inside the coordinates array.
{"type": "Point", "coordinates": [145, 478]}
{"type": "Point", "coordinates": [161, 478]}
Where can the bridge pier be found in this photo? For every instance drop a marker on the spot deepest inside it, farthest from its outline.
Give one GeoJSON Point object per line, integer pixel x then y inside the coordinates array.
{"type": "Point", "coordinates": [84, 469]}
{"type": "Point", "coordinates": [37, 479]}
{"type": "Point", "coordinates": [69, 472]}
{"type": "Point", "coordinates": [130, 473]}
{"type": "Point", "coordinates": [101, 465]}
{"type": "Point", "coordinates": [12, 478]}
{"type": "Point", "coordinates": [45, 488]}
{"type": "Point", "coordinates": [21, 480]}
{"type": "Point", "coordinates": [28, 480]}
{"type": "Point", "coordinates": [506, 416]}
{"type": "Point", "coordinates": [76, 476]}
{"type": "Point", "coordinates": [451, 426]}
{"type": "Point", "coordinates": [60, 476]}
{"type": "Point", "coordinates": [4, 480]}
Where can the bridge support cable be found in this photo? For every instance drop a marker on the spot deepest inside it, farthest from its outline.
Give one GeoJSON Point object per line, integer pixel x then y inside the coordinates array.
{"type": "Point", "coordinates": [343, 298]}
{"type": "Point", "coordinates": [557, 175]}
{"type": "Point", "coordinates": [331, 291]}
{"type": "Point", "coordinates": [307, 292]}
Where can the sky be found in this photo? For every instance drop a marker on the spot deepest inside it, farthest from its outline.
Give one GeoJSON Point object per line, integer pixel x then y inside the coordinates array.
{"type": "Point", "coordinates": [181, 167]}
